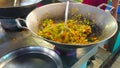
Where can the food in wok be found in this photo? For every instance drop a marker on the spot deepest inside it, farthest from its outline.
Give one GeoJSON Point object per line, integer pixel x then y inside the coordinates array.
{"type": "Point", "coordinates": [81, 30]}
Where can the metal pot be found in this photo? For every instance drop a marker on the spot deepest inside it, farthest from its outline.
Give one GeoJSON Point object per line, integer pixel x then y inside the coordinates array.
{"type": "Point", "coordinates": [8, 10]}
{"type": "Point", "coordinates": [105, 21]}
{"type": "Point", "coordinates": [31, 57]}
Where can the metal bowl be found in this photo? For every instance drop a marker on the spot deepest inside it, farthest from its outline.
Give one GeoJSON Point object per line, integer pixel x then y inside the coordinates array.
{"type": "Point", "coordinates": [31, 57]}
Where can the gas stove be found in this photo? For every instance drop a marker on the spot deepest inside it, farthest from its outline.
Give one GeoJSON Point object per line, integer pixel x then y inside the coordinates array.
{"type": "Point", "coordinates": [11, 40]}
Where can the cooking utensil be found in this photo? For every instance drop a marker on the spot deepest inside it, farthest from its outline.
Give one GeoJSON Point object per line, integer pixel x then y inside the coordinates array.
{"type": "Point", "coordinates": [66, 28]}
{"type": "Point", "coordinates": [12, 9]}
{"type": "Point", "coordinates": [22, 8]}
{"type": "Point", "coordinates": [102, 19]}
{"type": "Point", "coordinates": [66, 13]}
{"type": "Point", "coordinates": [16, 3]}
{"type": "Point", "coordinates": [31, 57]}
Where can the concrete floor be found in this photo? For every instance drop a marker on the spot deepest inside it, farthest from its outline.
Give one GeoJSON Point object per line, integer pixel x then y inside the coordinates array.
{"type": "Point", "coordinates": [100, 57]}
{"type": "Point", "coordinates": [116, 64]}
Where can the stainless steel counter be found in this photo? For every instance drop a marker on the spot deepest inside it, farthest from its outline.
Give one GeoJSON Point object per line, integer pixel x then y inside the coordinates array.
{"type": "Point", "coordinates": [10, 41]}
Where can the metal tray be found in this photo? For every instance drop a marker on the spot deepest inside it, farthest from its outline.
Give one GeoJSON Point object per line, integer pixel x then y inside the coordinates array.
{"type": "Point", "coordinates": [31, 57]}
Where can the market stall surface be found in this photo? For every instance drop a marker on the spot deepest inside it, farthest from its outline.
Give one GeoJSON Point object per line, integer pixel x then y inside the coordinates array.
{"type": "Point", "coordinates": [100, 56]}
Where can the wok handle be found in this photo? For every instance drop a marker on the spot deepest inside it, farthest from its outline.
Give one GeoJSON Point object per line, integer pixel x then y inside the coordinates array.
{"type": "Point", "coordinates": [21, 23]}
{"type": "Point", "coordinates": [107, 5]}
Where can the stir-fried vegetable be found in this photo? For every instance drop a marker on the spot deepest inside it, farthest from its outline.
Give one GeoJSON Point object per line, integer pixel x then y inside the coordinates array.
{"type": "Point", "coordinates": [78, 32]}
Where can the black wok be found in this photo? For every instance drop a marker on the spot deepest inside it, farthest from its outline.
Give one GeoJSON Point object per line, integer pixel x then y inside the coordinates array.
{"type": "Point", "coordinates": [102, 19]}
{"type": "Point", "coordinates": [8, 10]}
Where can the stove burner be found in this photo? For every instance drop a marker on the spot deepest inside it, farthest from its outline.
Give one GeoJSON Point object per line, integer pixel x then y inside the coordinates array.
{"type": "Point", "coordinates": [39, 5]}
{"type": "Point", "coordinates": [66, 52]}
